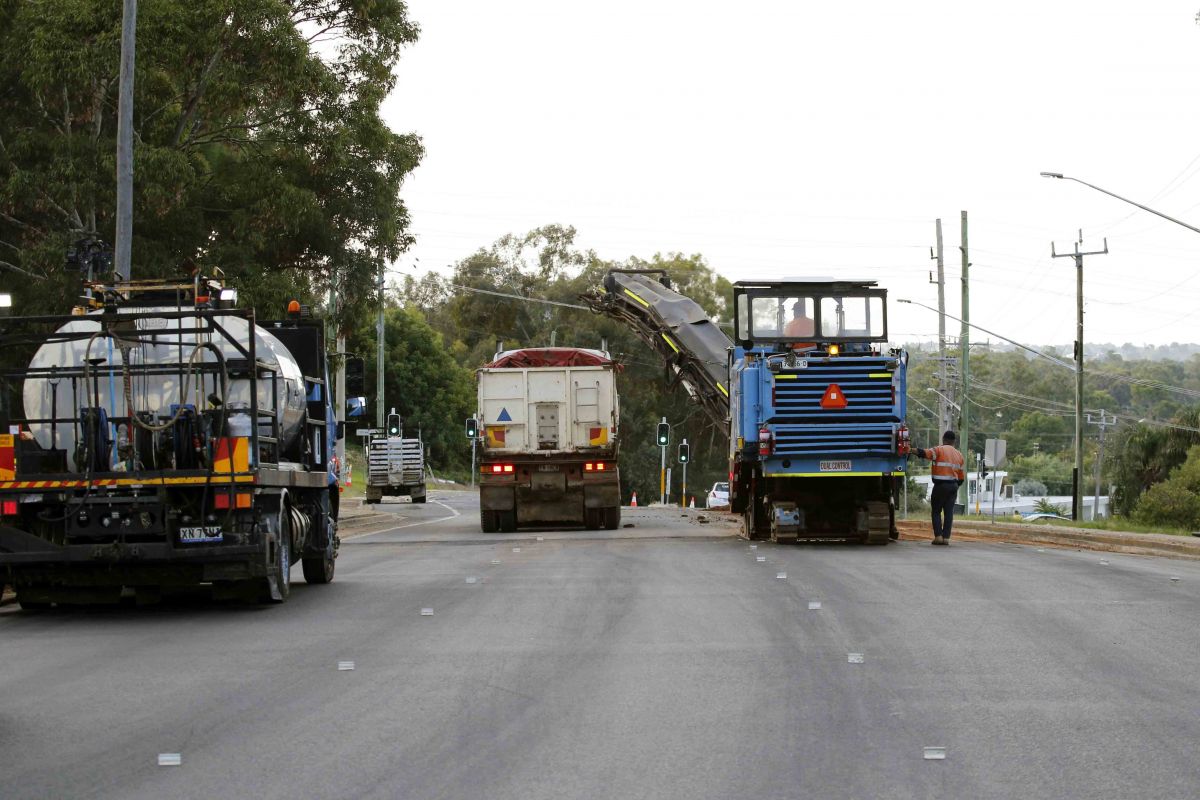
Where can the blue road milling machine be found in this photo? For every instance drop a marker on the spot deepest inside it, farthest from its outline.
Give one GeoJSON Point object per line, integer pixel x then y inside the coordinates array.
{"type": "Point", "coordinates": [812, 397]}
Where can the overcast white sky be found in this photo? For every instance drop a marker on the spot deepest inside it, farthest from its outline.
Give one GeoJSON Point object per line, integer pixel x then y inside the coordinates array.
{"type": "Point", "coordinates": [804, 138]}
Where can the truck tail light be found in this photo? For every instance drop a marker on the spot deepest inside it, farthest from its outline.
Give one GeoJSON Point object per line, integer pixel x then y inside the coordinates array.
{"type": "Point", "coordinates": [764, 441]}
{"type": "Point", "coordinates": [595, 466]}
{"type": "Point", "coordinates": [497, 469]}
{"type": "Point", "coordinates": [903, 443]}
{"type": "Point", "coordinates": [10, 508]}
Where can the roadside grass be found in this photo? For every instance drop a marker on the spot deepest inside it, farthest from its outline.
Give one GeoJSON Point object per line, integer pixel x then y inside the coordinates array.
{"type": "Point", "coordinates": [1115, 524]}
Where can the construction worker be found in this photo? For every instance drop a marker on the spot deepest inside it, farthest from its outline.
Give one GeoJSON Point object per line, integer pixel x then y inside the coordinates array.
{"type": "Point", "coordinates": [948, 475]}
{"type": "Point", "coordinates": [800, 324]}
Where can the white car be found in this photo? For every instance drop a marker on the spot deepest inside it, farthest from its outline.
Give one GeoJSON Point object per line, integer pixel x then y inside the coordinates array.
{"type": "Point", "coordinates": [718, 496]}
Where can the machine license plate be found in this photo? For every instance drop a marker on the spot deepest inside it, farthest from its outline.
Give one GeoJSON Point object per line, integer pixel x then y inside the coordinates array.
{"type": "Point", "coordinates": [200, 534]}
{"type": "Point", "coordinates": [836, 466]}
{"type": "Point", "coordinates": [547, 467]}
{"type": "Point", "coordinates": [802, 363]}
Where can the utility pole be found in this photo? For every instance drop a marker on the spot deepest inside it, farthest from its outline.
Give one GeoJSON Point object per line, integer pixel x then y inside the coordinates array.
{"type": "Point", "coordinates": [965, 342]}
{"type": "Point", "coordinates": [124, 237]}
{"type": "Point", "coordinates": [1103, 422]}
{"type": "Point", "coordinates": [943, 409]}
{"type": "Point", "coordinates": [1077, 472]}
{"type": "Point", "coordinates": [339, 391]}
{"type": "Point", "coordinates": [379, 350]}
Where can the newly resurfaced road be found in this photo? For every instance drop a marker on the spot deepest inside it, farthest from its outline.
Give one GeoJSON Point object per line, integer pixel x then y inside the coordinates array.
{"type": "Point", "coordinates": [659, 661]}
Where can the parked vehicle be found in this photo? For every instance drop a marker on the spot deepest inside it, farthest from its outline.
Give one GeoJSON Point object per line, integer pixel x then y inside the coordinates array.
{"type": "Point", "coordinates": [549, 435]}
{"type": "Point", "coordinates": [161, 437]}
{"type": "Point", "coordinates": [718, 496]}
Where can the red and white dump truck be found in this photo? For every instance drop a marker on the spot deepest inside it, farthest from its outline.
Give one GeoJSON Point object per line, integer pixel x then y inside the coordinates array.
{"type": "Point", "coordinates": [548, 425]}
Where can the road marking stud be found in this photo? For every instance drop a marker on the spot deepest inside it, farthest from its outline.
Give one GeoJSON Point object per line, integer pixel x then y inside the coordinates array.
{"type": "Point", "coordinates": [170, 759]}
{"type": "Point", "coordinates": [426, 612]}
{"type": "Point", "coordinates": [935, 753]}
{"type": "Point", "coordinates": [1041, 549]}
{"type": "Point", "coordinates": [541, 538]}
{"type": "Point", "coordinates": [753, 547]}
{"type": "Point", "coordinates": [781, 576]}
{"type": "Point", "coordinates": [1174, 579]}
{"type": "Point", "coordinates": [495, 561]}
{"type": "Point", "coordinates": [855, 658]}
{"type": "Point", "coordinates": [760, 558]}
{"type": "Point", "coordinates": [472, 579]}
{"type": "Point", "coordinates": [814, 605]}
{"type": "Point", "coordinates": [345, 666]}
{"type": "Point", "coordinates": [516, 549]}
{"type": "Point", "coordinates": [1103, 563]}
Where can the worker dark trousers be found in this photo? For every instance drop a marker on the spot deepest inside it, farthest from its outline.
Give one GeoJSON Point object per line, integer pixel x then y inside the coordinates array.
{"type": "Point", "coordinates": [942, 500]}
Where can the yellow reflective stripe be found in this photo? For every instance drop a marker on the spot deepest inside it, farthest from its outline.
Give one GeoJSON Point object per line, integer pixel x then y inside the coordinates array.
{"type": "Point", "coordinates": [635, 297]}
{"type": "Point", "coordinates": [724, 391]}
{"type": "Point", "coordinates": [830, 474]}
{"type": "Point", "coordinates": [143, 481]}
{"type": "Point", "coordinates": [785, 377]}
{"type": "Point", "coordinates": [880, 375]}
{"type": "Point", "coordinates": [667, 339]}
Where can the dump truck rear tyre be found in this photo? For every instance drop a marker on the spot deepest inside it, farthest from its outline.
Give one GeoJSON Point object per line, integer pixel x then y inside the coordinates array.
{"type": "Point", "coordinates": [488, 521]}
{"type": "Point", "coordinates": [508, 521]}
{"type": "Point", "coordinates": [612, 518]}
{"type": "Point", "coordinates": [420, 499]}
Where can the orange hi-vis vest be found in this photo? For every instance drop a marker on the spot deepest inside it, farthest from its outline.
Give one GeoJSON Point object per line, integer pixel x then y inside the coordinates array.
{"type": "Point", "coordinates": [947, 463]}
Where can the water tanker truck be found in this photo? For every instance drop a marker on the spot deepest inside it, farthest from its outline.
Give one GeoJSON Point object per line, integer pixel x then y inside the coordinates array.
{"type": "Point", "coordinates": [162, 437]}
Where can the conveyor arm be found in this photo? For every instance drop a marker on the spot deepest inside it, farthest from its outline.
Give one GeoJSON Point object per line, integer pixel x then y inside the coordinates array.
{"type": "Point", "coordinates": [675, 327]}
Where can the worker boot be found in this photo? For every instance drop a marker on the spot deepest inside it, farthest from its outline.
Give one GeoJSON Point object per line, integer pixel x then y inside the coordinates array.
{"type": "Point", "coordinates": [938, 540]}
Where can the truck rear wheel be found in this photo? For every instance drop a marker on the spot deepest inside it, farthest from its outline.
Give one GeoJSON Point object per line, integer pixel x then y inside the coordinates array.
{"type": "Point", "coordinates": [277, 585]}
{"type": "Point", "coordinates": [420, 499]}
{"type": "Point", "coordinates": [488, 521]}
{"type": "Point", "coordinates": [508, 521]}
{"type": "Point", "coordinates": [319, 569]}
{"type": "Point", "coordinates": [612, 518]}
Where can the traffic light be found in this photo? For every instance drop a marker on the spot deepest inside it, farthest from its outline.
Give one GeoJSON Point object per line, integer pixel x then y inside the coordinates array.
{"type": "Point", "coordinates": [684, 452]}
{"type": "Point", "coordinates": [393, 426]}
{"type": "Point", "coordinates": [472, 428]}
{"type": "Point", "coordinates": [983, 469]}
{"type": "Point", "coordinates": [664, 434]}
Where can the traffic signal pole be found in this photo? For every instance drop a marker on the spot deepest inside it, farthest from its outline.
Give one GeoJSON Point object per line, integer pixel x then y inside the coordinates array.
{"type": "Point", "coordinates": [683, 451]}
{"type": "Point", "coordinates": [662, 471]}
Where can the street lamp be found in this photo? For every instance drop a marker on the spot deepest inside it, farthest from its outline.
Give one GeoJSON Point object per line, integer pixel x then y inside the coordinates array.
{"type": "Point", "coordinates": [1062, 177]}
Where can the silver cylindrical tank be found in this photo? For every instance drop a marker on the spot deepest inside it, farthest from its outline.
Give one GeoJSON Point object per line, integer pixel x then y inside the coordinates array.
{"type": "Point", "coordinates": [157, 393]}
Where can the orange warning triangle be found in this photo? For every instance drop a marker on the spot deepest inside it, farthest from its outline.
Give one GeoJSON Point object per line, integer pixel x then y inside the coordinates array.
{"type": "Point", "coordinates": [834, 397]}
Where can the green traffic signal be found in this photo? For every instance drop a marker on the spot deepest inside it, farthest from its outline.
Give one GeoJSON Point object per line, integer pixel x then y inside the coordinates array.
{"type": "Point", "coordinates": [664, 434]}
{"type": "Point", "coordinates": [393, 424]}
{"type": "Point", "coordinates": [684, 452]}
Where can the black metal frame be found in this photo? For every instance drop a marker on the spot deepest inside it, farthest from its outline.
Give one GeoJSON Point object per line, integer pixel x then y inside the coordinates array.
{"type": "Point", "coordinates": [817, 290]}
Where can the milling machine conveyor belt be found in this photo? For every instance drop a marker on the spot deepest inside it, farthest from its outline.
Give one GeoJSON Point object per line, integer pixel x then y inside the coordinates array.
{"type": "Point", "coordinates": [675, 327]}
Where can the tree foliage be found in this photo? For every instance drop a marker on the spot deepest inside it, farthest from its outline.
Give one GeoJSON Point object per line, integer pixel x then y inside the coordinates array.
{"type": "Point", "coordinates": [259, 148]}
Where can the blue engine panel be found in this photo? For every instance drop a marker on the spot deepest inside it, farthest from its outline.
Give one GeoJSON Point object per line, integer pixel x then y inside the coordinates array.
{"type": "Point", "coordinates": [854, 432]}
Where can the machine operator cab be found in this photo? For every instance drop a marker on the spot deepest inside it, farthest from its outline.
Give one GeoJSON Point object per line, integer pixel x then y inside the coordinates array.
{"type": "Point", "coordinates": [812, 316]}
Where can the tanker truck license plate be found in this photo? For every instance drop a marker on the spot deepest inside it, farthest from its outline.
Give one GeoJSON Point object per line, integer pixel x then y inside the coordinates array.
{"type": "Point", "coordinates": [836, 466]}
{"type": "Point", "coordinates": [200, 534]}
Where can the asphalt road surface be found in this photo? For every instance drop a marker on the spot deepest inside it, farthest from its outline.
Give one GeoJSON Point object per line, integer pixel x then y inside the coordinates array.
{"type": "Point", "coordinates": [659, 661]}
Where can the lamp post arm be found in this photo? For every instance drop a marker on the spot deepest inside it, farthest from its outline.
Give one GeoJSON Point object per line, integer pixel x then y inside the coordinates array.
{"type": "Point", "coordinates": [1131, 202]}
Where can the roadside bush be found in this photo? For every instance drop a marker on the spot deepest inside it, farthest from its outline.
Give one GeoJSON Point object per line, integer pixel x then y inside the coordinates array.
{"type": "Point", "coordinates": [1028, 487]}
{"type": "Point", "coordinates": [1044, 506]}
{"type": "Point", "coordinates": [1170, 504]}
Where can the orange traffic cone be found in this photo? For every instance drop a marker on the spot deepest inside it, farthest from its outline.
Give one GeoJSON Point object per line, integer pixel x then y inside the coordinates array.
{"type": "Point", "coordinates": [633, 502]}
{"type": "Point", "coordinates": [349, 474]}
{"type": "Point", "coordinates": [693, 505]}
